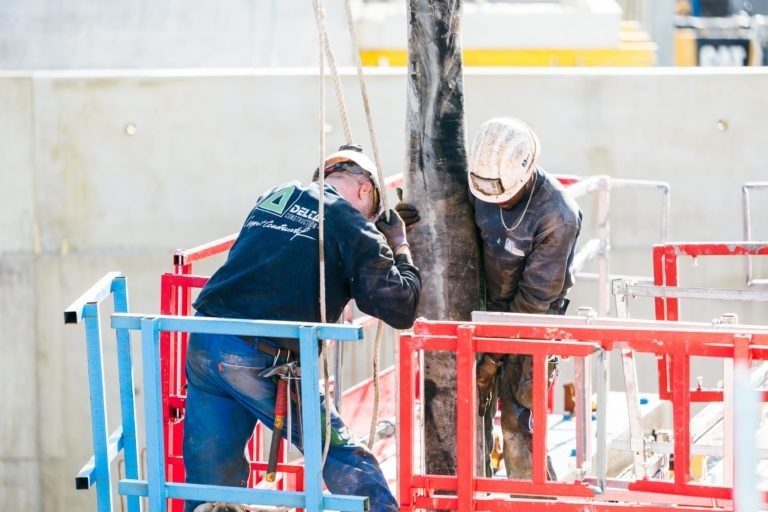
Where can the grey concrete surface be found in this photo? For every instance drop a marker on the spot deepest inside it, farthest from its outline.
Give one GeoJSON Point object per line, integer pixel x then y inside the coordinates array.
{"type": "Point", "coordinates": [87, 34]}
{"type": "Point", "coordinates": [82, 194]}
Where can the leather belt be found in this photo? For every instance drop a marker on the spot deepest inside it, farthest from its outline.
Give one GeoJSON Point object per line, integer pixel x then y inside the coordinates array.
{"type": "Point", "coordinates": [263, 346]}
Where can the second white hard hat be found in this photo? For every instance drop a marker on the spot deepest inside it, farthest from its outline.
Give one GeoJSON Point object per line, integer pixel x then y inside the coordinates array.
{"type": "Point", "coordinates": [502, 159]}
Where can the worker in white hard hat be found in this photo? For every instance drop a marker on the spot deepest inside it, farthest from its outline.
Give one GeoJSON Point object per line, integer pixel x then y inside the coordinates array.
{"type": "Point", "coordinates": [272, 273]}
{"type": "Point", "coordinates": [528, 225]}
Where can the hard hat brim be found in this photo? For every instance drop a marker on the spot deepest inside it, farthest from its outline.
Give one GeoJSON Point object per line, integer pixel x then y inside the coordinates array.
{"type": "Point", "coordinates": [348, 155]}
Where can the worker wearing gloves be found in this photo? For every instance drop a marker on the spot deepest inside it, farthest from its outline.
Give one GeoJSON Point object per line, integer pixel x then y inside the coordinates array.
{"type": "Point", "coordinates": [528, 225]}
{"type": "Point", "coordinates": [272, 273]}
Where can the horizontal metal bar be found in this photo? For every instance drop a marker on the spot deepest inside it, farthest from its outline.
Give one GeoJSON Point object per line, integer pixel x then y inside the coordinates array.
{"type": "Point", "coordinates": [95, 294]}
{"type": "Point", "coordinates": [728, 248]}
{"type": "Point", "coordinates": [87, 476]}
{"type": "Point", "coordinates": [678, 292]}
{"type": "Point", "coordinates": [187, 256]}
{"type": "Point", "coordinates": [213, 493]}
{"type": "Point", "coordinates": [209, 325]}
{"type": "Point", "coordinates": [710, 450]}
{"type": "Point", "coordinates": [629, 183]}
{"type": "Point", "coordinates": [527, 346]}
{"type": "Point", "coordinates": [620, 323]}
{"type": "Point", "coordinates": [585, 186]}
{"type": "Point", "coordinates": [617, 491]}
{"type": "Point", "coordinates": [185, 280]}
{"type": "Point", "coordinates": [593, 276]}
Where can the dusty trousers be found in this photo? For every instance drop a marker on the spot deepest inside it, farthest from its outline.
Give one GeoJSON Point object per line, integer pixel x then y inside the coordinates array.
{"type": "Point", "coordinates": [226, 396]}
{"type": "Point", "coordinates": [513, 388]}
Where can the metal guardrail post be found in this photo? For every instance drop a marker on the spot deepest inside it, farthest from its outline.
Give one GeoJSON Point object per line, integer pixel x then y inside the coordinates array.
{"type": "Point", "coordinates": [150, 351]}
{"type": "Point", "coordinates": [582, 369]}
{"type": "Point", "coordinates": [105, 447]}
{"type": "Point", "coordinates": [747, 227]}
{"type": "Point", "coordinates": [125, 380]}
{"type": "Point", "coordinates": [310, 408]}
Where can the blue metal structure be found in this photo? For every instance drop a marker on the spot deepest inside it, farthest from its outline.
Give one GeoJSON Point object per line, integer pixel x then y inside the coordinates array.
{"type": "Point", "coordinates": [123, 440]}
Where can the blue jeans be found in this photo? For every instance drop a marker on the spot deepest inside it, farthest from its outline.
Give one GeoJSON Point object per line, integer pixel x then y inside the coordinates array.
{"type": "Point", "coordinates": [226, 397]}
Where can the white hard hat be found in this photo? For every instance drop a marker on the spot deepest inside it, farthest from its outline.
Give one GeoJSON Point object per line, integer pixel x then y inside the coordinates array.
{"type": "Point", "coordinates": [354, 153]}
{"type": "Point", "coordinates": [502, 159]}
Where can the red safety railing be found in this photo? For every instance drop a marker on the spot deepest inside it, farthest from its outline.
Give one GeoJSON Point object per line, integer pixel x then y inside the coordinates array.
{"type": "Point", "coordinates": [465, 491]}
{"type": "Point", "coordinates": [665, 273]}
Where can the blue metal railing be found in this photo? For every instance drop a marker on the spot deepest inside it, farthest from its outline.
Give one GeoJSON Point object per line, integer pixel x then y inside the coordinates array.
{"type": "Point", "coordinates": [157, 490]}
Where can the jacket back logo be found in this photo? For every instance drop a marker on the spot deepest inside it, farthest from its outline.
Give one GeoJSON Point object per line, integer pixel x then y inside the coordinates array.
{"type": "Point", "coordinates": [278, 201]}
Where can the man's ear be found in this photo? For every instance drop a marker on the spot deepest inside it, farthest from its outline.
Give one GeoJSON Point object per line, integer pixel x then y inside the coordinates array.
{"type": "Point", "coordinates": [365, 189]}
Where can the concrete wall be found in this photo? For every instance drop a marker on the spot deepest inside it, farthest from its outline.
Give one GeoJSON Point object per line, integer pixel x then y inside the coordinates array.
{"type": "Point", "coordinates": [82, 196]}
{"type": "Point", "coordinates": [90, 34]}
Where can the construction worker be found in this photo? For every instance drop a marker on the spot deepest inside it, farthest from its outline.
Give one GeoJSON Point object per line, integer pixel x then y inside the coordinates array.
{"type": "Point", "coordinates": [272, 273]}
{"type": "Point", "coordinates": [528, 225]}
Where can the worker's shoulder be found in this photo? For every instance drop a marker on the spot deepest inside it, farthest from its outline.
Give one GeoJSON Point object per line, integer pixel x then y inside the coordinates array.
{"type": "Point", "coordinates": [559, 200]}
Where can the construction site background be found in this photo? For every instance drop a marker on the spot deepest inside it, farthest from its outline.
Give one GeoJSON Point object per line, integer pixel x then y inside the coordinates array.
{"type": "Point", "coordinates": [114, 170]}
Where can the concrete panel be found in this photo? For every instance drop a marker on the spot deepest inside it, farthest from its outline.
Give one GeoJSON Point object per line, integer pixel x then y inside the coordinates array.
{"type": "Point", "coordinates": [39, 34]}
{"type": "Point", "coordinates": [19, 397]}
{"type": "Point", "coordinates": [17, 231]}
{"type": "Point", "coordinates": [200, 150]}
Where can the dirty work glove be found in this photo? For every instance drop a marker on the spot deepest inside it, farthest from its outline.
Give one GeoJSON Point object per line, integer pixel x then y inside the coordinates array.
{"type": "Point", "coordinates": [394, 230]}
{"type": "Point", "coordinates": [408, 212]}
{"type": "Point", "coordinates": [486, 373]}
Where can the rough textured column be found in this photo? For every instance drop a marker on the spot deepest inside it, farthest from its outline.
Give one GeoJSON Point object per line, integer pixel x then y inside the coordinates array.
{"type": "Point", "coordinates": [444, 243]}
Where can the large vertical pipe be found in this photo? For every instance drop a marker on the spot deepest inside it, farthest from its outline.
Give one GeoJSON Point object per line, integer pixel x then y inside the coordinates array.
{"type": "Point", "coordinates": [444, 243]}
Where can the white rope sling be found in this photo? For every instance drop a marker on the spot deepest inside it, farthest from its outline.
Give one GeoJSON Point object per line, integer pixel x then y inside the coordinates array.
{"type": "Point", "coordinates": [326, 52]}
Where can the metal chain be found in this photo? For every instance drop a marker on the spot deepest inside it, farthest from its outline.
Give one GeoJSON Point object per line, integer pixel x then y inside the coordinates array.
{"type": "Point", "coordinates": [525, 210]}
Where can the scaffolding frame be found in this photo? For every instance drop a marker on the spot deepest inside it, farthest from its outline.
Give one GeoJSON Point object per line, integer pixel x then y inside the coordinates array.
{"type": "Point", "coordinates": [576, 337]}
{"type": "Point", "coordinates": [123, 440]}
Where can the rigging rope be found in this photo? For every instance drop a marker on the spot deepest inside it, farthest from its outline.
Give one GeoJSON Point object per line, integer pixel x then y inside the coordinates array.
{"type": "Point", "coordinates": [320, 19]}
{"type": "Point", "coordinates": [326, 51]}
{"type": "Point", "coordinates": [385, 206]}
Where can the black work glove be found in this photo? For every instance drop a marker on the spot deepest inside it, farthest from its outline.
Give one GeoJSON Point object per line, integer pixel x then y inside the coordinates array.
{"type": "Point", "coordinates": [408, 212]}
{"type": "Point", "coordinates": [394, 230]}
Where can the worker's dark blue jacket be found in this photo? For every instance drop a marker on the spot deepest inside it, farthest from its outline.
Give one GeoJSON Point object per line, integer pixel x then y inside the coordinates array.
{"type": "Point", "coordinates": [528, 269]}
{"type": "Point", "coordinates": [272, 271]}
